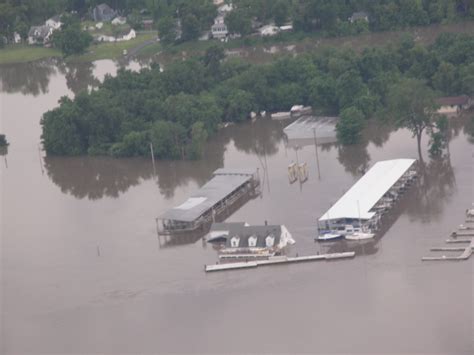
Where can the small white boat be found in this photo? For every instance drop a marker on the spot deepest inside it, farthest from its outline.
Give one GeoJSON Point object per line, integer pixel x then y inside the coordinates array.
{"type": "Point", "coordinates": [329, 237]}
{"type": "Point", "coordinates": [359, 236]}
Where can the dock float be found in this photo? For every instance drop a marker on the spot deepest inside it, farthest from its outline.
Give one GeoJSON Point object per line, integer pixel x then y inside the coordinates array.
{"type": "Point", "coordinates": [277, 260]}
{"type": "Point", "coordinates": [466, 254]}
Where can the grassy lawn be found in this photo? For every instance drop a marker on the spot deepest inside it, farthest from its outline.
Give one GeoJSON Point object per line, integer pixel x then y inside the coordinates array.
{"type": "Point", "coordinates": [22, 53]}
{"type": "Point", "coordinates": [110, 50]}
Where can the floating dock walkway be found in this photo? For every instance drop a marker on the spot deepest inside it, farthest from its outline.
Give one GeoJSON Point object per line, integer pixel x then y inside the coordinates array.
{"type": "Point", "coordinates": [277, 260]}
{"type": "Point", "coordinates": [467, 251]}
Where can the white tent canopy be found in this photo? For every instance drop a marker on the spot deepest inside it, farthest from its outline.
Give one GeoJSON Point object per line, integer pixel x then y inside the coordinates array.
{"type": "Point", "coordinates": [365, 193]}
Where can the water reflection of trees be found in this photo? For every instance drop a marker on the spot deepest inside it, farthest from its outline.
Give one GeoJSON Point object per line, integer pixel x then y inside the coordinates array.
{"type": "Point", "coordinates": [261, 137]}
{"type": "Point", "coordinates": [33, 78]}
{"type": "Point", "coordinates": [96, 177]}
{"type": "Point", "coordinates": [27, 78]}
{"type": "Point", "coordinates": [355, 158]}
{"type": "Point", "coordinates": [435, 185]}
{"type": "Point", "coordinates": [79, 76]}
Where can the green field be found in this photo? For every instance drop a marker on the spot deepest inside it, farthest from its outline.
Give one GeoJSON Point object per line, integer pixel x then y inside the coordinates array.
{"type": "Point", "coordinates": [20, 53]}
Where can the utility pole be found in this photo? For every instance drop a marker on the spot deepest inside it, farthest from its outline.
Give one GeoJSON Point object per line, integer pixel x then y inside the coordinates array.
{"type": "Point", "coordinates": [316, 148]}
{"type": "Point", "coordinates": [152, 157]}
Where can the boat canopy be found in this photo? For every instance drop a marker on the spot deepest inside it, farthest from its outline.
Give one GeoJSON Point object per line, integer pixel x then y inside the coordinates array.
{"type": "Point", "coordinates": [368, 190]}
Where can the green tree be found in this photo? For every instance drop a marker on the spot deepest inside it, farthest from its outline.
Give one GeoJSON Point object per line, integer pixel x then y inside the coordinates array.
{"type": "Point", "coordinates": [238, 22]}
{"type": "Point", "coordinates": [412, 104]}
{"type": "Point", "coordinates": [3, 140]}
{"type": "Point", "coordinates": [438, 137]}
{"type": "Point", "coordinates": [280, 12]}
{"type": "Point", "coordinates": [167, 30]}
{"type": "Point", "coordinates": [213, 57]}
{"type": "Point", "coordinates": [190, 28]}
{"type": "Point", "coordinates": [70, 38]}
{"type": "Point", "coordinates": [198, 139]}
{"type": "Point", "coordinates": [350, 126]}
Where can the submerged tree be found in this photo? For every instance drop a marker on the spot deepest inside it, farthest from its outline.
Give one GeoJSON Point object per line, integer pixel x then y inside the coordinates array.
{"type": "Point", "coordinates": [3, 140]}
{"type": "Point", "coordinates": [413, 106]}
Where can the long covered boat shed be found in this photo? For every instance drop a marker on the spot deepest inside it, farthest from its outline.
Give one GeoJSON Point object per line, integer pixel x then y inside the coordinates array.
{"type": "Point", "coordinates": [371, 196]}
{"type": "Point", "coordinates": [202, 207]}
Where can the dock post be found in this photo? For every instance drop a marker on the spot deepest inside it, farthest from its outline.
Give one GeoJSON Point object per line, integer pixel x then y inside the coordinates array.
{"type": "Point", "coordinates": [316, 148]}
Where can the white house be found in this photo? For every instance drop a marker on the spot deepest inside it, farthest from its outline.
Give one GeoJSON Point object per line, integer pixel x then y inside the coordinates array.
{"type": "Point", "coordinates": [119, 20]}
{"type": "Point", "coordinates": [54, 22]}
{"type": "Point", "coordinates": [225, 9]}
{"type": "Point", "coordinates": [268, 30]}
{"type": "Point", "coordinates": [243, 238]}
{"type": "Point", "coordinates": [124, 36]}
{"type": "Point", "coordinates": [360, 15]}
{"type": "Point", "coordinates": [219, 28]}
{"type": "Point", "coordinates": [16, 37]}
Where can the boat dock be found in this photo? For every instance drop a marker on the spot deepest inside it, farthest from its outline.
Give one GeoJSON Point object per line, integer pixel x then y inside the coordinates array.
{"type": "Point", "coordinates": [277, 260]}
{"type": "Point", "coordinates": [468, 240]}
{"type": "Point", "coordinates": [226, 188]}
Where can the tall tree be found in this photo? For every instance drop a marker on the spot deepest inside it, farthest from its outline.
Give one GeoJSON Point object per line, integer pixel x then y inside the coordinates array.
{"type": "Point", "coordinates": [412, 104]}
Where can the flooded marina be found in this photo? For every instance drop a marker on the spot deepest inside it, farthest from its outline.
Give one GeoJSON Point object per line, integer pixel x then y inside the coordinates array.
{"type": "Point", "coordinates": [83, 270]}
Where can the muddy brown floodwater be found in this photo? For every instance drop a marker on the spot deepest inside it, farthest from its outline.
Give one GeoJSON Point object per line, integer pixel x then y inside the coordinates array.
{"type": "Point", "coordinates": [83, 271]}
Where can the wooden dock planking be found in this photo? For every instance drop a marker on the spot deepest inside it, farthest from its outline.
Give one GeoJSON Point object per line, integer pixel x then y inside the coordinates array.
{"type": "Point", "coordinates": [277, 260]}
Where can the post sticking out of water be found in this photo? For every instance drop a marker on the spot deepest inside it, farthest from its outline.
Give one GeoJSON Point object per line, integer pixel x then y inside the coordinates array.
{"type": "Point", "coordinates": [152, 157]}
{"type": "Point", "coordinates": [316, 148]}
{"type": "Point", "coordinates": [41, 161]}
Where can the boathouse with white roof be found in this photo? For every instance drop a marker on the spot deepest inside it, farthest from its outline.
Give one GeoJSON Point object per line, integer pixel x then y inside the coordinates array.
{"type": "Point", "coordinates": [370, 197]}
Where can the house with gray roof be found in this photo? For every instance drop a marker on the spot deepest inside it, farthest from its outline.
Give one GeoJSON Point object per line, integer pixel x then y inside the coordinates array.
{"type": "Point", "coordinates": [360, 15]}
{"type": "Point", "coordinates": [246, 239]}
{"type": "Point", "coordinates": [103, 12]}
{"type": "Point", "coordinates": [40, 34]}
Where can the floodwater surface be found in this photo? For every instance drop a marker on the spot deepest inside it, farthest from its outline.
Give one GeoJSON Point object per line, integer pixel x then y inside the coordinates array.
{"type": "Point", "coordinates": [83, 270]}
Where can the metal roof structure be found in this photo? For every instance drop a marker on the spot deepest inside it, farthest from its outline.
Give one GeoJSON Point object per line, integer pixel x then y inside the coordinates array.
{"type": "Point", "coordinates": [302, 131]}
{"type": "Point", "coordinates": [222, 184]}
{"type": "Point", "coordinates": [368, 190]}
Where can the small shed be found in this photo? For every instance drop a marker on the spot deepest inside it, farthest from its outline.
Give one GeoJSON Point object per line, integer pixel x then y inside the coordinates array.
{"type": "Point", "coordinates": [359, 16]}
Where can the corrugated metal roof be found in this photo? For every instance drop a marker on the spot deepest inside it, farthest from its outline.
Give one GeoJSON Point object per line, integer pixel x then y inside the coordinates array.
{"type": "Point", "coordinates": [223, 183]}
{"type": "Point", "coordinates": [365, 193]}
{"type": "Point", "coordinates": [301, 133]}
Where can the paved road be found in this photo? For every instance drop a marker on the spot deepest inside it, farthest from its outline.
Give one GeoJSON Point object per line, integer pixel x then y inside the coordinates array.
{"type": "Point", "coordinates": [133, 51]}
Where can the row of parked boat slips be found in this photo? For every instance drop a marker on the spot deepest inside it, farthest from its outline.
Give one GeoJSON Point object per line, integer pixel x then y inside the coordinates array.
{"type": "Point", "coordinates": [358, 213]}
{"type": "Point", "coordinates": [226, 188]}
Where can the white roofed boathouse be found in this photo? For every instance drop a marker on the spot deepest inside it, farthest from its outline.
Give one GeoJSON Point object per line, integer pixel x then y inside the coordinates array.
{"type": "Point", "coordinates": [218, 195]}
{"type": "Point", "coordinates": [363, 205]}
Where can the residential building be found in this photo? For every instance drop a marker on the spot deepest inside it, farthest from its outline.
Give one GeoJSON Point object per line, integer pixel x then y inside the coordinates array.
{"type": "Point", "coordinates": [54, 22]}
{"type": "Point", "coordinates": [103, 12]}
{"type": "Point", "coordinates": [39, 34]}
{"type": "Point", "coordinates": [360, 15]}
{"type": "Point", "coordinates": [268, 30]}
{"type": "Point", "coordinates": [454, 104]}
{"type": "Point", "coordinates": [119, 20]}
{"type": "Point", "coordinates": [219, 28]}
{"type": "Point", "coordinates": [246, 239]}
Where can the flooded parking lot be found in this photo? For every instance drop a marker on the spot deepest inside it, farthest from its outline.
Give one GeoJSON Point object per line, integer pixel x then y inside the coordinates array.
{"type": "Point", "coordinates": [83, 270]}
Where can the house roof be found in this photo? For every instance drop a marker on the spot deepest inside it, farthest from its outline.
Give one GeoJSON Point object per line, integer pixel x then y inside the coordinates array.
{"type": "Point", "coordinates": [244, 232]}
{"type": "Point", "coordinates": [365, 193]}
{"type": "Point", "coordinates": [359, 15]}
{"type": "Point", "coordinates": [56, 18]}
{"type": "Point", "coordinates": [453, 100]}
{"type": "Point", "coordinates": [222, 184]}
{"type": "Point", "coordinates": [302, 131]}
{"type": "Point", "coordinates": [39, 31]}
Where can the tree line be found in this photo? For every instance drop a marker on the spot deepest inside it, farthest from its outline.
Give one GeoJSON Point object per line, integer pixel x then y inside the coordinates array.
{"type": "Point", "coordinates": [178, 108]}
{"type": "Point", "coordinates": [190, 18]}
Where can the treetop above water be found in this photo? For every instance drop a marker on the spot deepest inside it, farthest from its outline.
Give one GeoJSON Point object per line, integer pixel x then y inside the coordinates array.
{"type": "Point", "coordinates": [177, 109]}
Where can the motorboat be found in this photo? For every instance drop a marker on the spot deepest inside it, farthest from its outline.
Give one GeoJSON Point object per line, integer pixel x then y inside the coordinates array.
{"type": "Point", "coordinates": [328, 237]}
{"type": "Point", "coordinates": [359, 236]}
